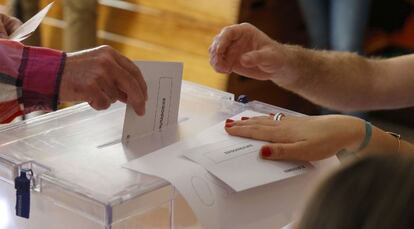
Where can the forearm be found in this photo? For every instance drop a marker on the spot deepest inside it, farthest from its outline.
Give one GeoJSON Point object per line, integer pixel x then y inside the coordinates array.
{"type": "Point", "coordinates": [383, 142]}
{"type": "Point", "coordinates": [338, 80]}
{"type": "Point", "coordinates": [354, 134]}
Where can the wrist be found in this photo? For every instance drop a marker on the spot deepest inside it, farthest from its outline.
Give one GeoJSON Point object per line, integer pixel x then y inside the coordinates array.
{"type": "Point", "coordinates": [294, 59]}
{"type": "Point", "coordinates": [69, 90]}
{"type": "Point", "coordinates": [356, 133]}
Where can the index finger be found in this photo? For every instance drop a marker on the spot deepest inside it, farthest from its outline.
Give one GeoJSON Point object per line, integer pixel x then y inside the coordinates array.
{"type": "Point", "coordinates": [261, 132]}
{"type": "Point", "coordinates": [226, 37]}
{"type": "Point", "coordinates": [220, 51]}
{"type": "Point", "coordinates": [129, 66]}
{"type": "Point", "coordinates": [132, 89]}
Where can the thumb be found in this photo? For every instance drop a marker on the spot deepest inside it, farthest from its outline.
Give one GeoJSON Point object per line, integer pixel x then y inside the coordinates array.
{"type": "Point", "coordinates": [297, 151]}
{"type": "Point", "coordinates": [12, 24]}
{"type": "Point", "coordinates": [266, 59]}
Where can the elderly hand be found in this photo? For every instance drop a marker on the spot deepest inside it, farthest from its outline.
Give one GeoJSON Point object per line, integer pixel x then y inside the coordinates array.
{"type": "Point", "coordinates": [8, 25]}
{"type": "Point", "coordinates": [306, 138]}
{"type": "Point", "coordinates": [101, 76]}
{"type": "Point", "coordinates": [247, 51]}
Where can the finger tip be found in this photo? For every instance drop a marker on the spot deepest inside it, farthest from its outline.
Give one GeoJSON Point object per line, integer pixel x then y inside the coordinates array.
{"type": "Point", "coordinates": [265, 152]}
{"type": "Point", "coordinates": [139, 111]}
{"type": "Point", "coordinates": [229, 125]}
{"type": "Point", "coordinates": [221, 68]}
{"type": "Point", "coordinates": [142, 111]}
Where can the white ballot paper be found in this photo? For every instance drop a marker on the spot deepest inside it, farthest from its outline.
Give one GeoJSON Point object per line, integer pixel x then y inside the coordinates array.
{"type": "Point", "coordinates": [164, 86]}
{"type": "Point", "coordinates": [237, 163]}
{"type": "Point", "coordinates": [216, 204]}
{"type": "Point", "coordinates": [25, 30]}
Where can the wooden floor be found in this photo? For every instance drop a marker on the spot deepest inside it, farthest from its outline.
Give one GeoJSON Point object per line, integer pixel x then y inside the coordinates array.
{"type": "Point", "coordinates": [170, 30]}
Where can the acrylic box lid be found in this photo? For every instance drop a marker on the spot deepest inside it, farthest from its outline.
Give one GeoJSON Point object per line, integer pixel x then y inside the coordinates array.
{"type": "Point", "coordinates": [80, 150]}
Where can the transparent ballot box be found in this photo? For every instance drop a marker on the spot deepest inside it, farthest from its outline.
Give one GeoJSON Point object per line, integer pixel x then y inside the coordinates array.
{"type": "Point", "coordinates": [76, 159]}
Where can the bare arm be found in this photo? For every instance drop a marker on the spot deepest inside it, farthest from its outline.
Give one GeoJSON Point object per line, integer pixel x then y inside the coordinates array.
{"type": "Point", "coordinates": [339, 80]}
{"type": "Point", "coordinates": [349, 82]}
{"type": "Point", "coordinates": [311, 138]}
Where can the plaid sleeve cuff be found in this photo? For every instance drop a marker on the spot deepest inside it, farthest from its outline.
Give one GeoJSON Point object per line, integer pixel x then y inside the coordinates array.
{"type": "Point", "coordinates": [39, 78]}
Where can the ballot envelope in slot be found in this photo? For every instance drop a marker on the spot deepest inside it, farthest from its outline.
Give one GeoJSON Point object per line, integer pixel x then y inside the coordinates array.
{"type": "Point", "coordinates": [75, 159]}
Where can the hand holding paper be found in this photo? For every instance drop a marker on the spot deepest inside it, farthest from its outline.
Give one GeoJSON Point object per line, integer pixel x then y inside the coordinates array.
{"type": "Point", "coordinates": [25, 30]}
{"type": "Point", "coordinates": [8, 25]}
{"type": "Point", "coordinates": [164, 86]}
{"type": "Point", "coordinates": [101, 76]}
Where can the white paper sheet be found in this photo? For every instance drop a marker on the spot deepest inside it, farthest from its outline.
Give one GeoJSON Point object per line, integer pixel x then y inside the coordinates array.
{"type": "Point", "coordinates": [25, 30]}
{"type": "Point", "coordinates": [164, 86]}
{"type": "Point", "coordinates": [236, 161]}
{"type": "Point", "coordinates": [215, 204]}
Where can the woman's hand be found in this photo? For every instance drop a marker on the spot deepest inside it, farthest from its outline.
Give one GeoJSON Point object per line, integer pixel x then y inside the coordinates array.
{"type": "Point", "coordinates": [305, 138]}
{"type": "Point", "coordinates": [8, 25]}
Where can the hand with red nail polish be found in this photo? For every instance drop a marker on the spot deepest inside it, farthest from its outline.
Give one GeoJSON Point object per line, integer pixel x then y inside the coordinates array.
{"type": "Point", "coordinates": [229, 124]}
{"type": "Point", "coordinates": [305, 138]}
{"type": "Point", "coordinates": [266, 152]}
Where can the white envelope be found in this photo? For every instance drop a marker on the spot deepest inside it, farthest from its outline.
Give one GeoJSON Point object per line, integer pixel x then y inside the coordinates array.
{"type": "Point", "coordinates": [25, 30]}
{"type": "Point", "coordinates": [237, 162]}
{"type": "Point", "coordinates": [164, 86]}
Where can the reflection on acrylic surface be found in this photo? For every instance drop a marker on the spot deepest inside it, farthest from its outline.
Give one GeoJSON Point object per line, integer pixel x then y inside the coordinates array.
{"type": "Point", "coordinates": [4, 214]}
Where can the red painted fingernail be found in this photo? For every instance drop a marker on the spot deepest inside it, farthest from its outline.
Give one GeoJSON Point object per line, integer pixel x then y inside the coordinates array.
{"type": "Point", "coordinates": [228, 125]}
{"type": "Point", "coordinates": [245, 118]}
{"type": "Point", "coordinates": [229, 120]}
{"type": "Point", "coordinates": [266, 152]}
{"type": "Point", "coordinates": [272, 114]}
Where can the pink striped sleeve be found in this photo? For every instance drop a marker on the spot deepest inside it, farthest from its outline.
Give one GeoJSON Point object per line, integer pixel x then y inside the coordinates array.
{"type": "Point", "coordinates": [29, 79]}
{"type": "Point", "coordinates": [39, 74]}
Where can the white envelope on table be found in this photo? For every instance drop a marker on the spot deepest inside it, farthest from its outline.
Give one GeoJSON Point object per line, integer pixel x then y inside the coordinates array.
{"type": "Point", "coordinates": [237, 162]}
{"type": "Point", "coordinates": [215, 203]}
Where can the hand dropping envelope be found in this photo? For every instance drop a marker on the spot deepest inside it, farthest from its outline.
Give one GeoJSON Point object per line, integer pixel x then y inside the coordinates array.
{"type": "Point", "coordinates": [164, 86]}
{"type": "Point", "coordinates": [25, 30]}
